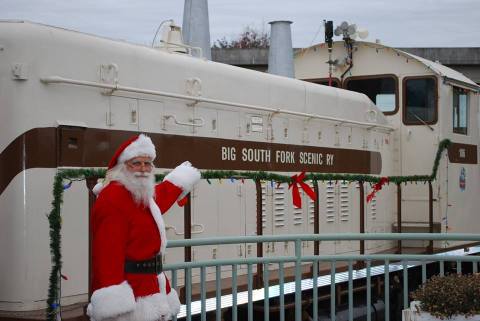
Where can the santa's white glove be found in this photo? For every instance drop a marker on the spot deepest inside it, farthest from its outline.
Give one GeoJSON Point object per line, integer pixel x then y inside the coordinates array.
{"type": "Point", "coordinates": [184, 176]}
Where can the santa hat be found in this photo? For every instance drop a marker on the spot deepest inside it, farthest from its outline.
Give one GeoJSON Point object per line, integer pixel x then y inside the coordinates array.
{"type": "Point", "coordinates": [139, 145]}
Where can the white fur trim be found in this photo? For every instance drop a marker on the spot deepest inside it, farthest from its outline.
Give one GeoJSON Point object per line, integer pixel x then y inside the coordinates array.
{"type": "Point", "coordinates": [158, 306]}
{"type": "Point", "coordinates": [172, 297]}
{"type": "Point", "coordinates": [157, 216]}
{"type": "Point", "coordinates": [154, 307]}
{"type": "Point", "coordinates": [162, 282]}
{"type": "Point", "coordinates": [111, 301]}
{"type": "Point", "coordinates": [173, 302]}
{"type": "Point", "coordinates": [141, 146]}
{"type": "Point", "coordinates": [98, 188]}
{"type": "Point", "coordinates": [184, 176]}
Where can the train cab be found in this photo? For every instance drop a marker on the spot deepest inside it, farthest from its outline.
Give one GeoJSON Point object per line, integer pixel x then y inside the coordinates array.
{"type": "Point", "coordinates": [426, 102]}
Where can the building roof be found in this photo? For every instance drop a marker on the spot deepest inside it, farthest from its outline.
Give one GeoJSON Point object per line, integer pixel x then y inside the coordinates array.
{"type": "Point", "coordinates": [449, 74]}
{"type": "Point", "coordinates": [448, 56]}
{"type": "Point", "coordinates": [466, 60]}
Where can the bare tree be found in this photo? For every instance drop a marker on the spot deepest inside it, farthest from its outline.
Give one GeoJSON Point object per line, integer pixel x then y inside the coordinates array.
{"type": "Point", "coordinates": [249, 38]}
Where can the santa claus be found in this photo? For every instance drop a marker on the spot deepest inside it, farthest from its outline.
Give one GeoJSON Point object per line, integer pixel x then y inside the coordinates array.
{"type": "Point", "coordinates": [129, 236]}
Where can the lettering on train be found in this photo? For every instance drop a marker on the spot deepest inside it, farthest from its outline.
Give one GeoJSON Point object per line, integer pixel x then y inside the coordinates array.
{"type": "Point", "coordinates": [259, 155]}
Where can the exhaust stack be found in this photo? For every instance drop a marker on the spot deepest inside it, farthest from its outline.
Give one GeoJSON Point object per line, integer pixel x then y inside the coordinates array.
{"type": "Point", "coordinates": [195, 27]}
{"type": "Point", "coordinates": [280, 55]}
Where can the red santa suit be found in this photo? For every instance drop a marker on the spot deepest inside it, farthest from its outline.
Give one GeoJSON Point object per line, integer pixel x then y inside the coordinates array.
{"type": "Point", "coordinates": [125, 230]}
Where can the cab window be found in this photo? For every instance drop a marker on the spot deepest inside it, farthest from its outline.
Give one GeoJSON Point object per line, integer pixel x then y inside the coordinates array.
{"type": "Point", "coordinates": [460, 111]}
{"type": "Point", "coordinates": [420, 100]}
{"type": "Point", "coordinates": [382, 90]}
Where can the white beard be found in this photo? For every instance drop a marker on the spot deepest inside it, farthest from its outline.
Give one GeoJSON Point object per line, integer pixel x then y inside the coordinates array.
{"type": "Point", "coordinates": [141, 185]}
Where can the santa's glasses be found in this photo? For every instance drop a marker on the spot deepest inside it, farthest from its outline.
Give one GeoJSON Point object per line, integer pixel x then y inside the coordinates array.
{"type": "Point", "coordinates": [140, 164]}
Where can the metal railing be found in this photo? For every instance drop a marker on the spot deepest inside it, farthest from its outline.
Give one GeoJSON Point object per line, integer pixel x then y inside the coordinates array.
{"type": "Point", "coordinates": [355, 267]}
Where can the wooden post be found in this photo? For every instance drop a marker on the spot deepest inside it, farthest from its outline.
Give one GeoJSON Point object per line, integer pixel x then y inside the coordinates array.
{"type": "Point", "coordinates": [187, 226]}
{"type": "Point", "coordinates": [430, 215]}
{"type": "Point", "coordinates": [187, 234]}
{"type": "Point", "coordinates": [259, 276]}
{"type": "Point", "coordinates": [316, 218]}
{"type": "Point", "coordinates": [362, 216]}
{"type": "Point", "coordinates": [361, 264]}
{"type": "Point", "coordinates": [316, 223]}
{"type": "Point", "coordinates": [91, 181]}
{"type": "Point", "coordinates": [399, 216]}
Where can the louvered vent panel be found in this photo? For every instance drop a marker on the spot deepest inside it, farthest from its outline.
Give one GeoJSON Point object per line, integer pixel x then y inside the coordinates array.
{"type": "Point", "coordinates": [373, 208]}
{"type": "Point", "coordinates": [344, 202]}
{"type": "Point", "coordinates": [279, 206]}
{"type": "Point", "coordinates": [330, 202]}
{"type": "Point", "coordinates": [311, 207]}
{"type": "Point", "coordinates": [297, 216]}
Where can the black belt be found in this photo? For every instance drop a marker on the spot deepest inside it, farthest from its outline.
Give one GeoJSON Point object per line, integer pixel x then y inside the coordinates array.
{"type": "Point", "coordinates": [150, 266]}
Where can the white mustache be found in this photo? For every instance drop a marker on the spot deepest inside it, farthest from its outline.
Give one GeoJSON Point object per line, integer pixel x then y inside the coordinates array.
{"type": "Point", "coordinates": [143, 175]}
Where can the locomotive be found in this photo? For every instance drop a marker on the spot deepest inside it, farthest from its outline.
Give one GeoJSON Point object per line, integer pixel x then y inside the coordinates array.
{"type": "Point", "coordinates": [68, 99]}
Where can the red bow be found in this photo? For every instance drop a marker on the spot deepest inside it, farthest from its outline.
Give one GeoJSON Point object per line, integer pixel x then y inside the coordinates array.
{"type": "Point", "coordinates": [376, 188]}
{"type": "Point", "coordinates": [298, 180]}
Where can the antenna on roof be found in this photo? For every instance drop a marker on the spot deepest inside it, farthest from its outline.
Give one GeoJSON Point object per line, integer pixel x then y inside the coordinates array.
{"type": "Point", "coordinates": [329, 41]}
{"type": "Point", "coordinates": [362, 33]}
{"type": "Point", "coordinates": [159, 28]}
{"type": "Point", "coordinates": [328, 32]}
{"type": "Point", "coordinates": [348, 31]}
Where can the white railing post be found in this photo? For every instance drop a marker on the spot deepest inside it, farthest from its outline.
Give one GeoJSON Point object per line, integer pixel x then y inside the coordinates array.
{"type": "Point", "coordinates": [298, 280]}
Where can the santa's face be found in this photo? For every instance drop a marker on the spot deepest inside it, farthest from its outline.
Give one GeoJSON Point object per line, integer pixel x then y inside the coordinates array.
{"type": "Point", "coordinates": [141, 164]}
{"type": "Point", "coordinates": [137, 176]}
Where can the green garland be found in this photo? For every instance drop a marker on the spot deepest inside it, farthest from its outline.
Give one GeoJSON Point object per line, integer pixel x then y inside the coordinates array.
{"type": "Point", "coordinates": [441, 147]}
{"type": "Point", "coordinates": [55, 224]}
{"type": "Point", "coordinates": [55, 219]}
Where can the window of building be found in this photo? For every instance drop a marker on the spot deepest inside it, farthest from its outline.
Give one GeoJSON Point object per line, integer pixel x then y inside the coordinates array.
{"type": "Point", "coordinates": [382, 90]}
{"type": "Point", "coordinates": [460, 111]}
{"type": "Point", "coordinates": [420, 100]}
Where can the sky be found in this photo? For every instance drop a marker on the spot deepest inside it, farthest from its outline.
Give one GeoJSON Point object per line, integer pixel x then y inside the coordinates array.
{"type": "Point", "coordinates": [397, 23]}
